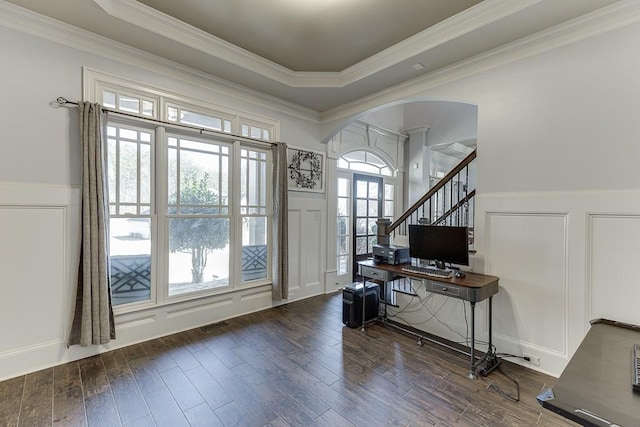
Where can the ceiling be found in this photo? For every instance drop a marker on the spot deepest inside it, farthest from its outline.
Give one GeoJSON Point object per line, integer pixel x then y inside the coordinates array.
{"type": "Point", "coordinates": [319, 54]}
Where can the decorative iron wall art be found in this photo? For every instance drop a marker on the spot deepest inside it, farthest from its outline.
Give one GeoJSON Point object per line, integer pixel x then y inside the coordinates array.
{"type": "Point", "coordinates": [306, 170]}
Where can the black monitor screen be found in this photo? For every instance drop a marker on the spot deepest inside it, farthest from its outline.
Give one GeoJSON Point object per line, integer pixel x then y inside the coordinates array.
{"type": "Point", "coordinates": [439, 243]}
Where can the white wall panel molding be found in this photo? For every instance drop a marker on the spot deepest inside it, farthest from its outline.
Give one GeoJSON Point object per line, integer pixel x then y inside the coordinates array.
{"type": "Point", "coordinates": [307, 245]}
{"type": "Point", "coordinates": [124, 322]}
{"type": "Point", "coordinates": [37, 275]}
{"type": "Point", "coordinates": [613, 250]}
{"type": "Point", "coordinates": [529, 252]}
{"type": "Point", "coordinates": [583, 269]}
{"type": "Point", "coordinates": [199, 307]}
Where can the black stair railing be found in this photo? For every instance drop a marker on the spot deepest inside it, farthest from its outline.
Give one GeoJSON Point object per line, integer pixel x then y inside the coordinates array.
{"type": "Point", "coordinates": [449, 202]}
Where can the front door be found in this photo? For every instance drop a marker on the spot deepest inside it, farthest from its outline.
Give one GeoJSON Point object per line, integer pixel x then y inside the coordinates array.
{"type": "Point", "coordinates": [367, 208]}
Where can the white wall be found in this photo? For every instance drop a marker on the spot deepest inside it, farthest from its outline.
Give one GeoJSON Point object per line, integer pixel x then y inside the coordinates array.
{"type": "Point", "coordinates": [557, 209]}
{"type": "Point", "coordinates": [558, 186]}
{"type": "Point", "coordinates": [39, 200]}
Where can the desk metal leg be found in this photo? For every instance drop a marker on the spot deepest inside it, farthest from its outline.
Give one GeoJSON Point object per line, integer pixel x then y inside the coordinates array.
{"type": "Point", "coordinates": [490, 349]}
{"type": "Point", "coordinates": [364, 299]}
{"type": "Point", "coordinates": [472, 373]}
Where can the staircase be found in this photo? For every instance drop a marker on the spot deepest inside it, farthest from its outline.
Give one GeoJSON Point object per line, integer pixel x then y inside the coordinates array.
{"type": "Point", "coordinates": [450, 202]}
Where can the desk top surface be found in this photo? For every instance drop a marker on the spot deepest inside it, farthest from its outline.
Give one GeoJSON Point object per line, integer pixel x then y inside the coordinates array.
{"type": "Point", "coordinates": [598, 378]}
{"type": "Point", "coordinates": [471, 280]}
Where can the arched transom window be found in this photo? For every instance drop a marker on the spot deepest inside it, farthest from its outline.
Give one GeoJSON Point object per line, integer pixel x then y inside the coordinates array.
{"type": "Point", "coordinates": [363, 161]}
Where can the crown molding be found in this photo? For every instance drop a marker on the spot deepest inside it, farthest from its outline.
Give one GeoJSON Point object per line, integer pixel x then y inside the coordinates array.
{"type": "Point", "coordinates": [167, 26]}
{"type": "Point", "coordinates": [24, 20]}
{"type": "Point", "coordinates": [478, 16]}
{"type": "Point", "coordinates": [603, 20]}
{"type": "Point", "coordinates": [609, 18]}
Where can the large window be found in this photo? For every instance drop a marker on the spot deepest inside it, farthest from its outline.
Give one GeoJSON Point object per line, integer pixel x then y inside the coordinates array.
{"type": "Point", "coordinates": [189, 211]}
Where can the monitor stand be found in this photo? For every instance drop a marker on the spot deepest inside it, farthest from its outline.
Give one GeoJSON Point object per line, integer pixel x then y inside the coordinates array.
{"type": "Point", "coordinates": [440, 265]}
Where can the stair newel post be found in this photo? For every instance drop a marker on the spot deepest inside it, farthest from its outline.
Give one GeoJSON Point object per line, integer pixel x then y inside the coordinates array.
{"type": "Point", "coordinates": [383, 235]}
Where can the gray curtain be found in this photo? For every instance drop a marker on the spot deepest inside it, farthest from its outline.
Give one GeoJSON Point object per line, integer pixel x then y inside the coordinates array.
{"type": "Point", "coordinates": [280, 259]}
{"type": "Point", "coordinates": [93, 321]}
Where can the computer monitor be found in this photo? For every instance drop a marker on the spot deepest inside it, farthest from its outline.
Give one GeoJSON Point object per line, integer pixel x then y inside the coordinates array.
{"type": "Point", "coordinates": [439, 243]}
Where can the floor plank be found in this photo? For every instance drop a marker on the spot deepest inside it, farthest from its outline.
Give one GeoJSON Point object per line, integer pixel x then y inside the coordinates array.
{"type": "Point", "coordinates": [292, 365]}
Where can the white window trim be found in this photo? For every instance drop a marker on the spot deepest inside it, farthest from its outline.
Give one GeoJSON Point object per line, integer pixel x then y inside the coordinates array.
{"type": "Point", "coordinates": [94, 82]}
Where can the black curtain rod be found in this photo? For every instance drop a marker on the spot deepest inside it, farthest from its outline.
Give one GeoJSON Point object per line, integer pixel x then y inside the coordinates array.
{"type": "Point", "coordinates": [61, 100]}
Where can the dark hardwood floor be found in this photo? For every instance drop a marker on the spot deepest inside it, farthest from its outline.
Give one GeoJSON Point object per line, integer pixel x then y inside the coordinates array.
{"type": "Point", "coordinates": [295, 365]}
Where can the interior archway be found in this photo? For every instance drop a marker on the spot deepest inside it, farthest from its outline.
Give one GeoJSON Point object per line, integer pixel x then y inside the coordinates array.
{"type": "Point", "coordinates": [421, 141]}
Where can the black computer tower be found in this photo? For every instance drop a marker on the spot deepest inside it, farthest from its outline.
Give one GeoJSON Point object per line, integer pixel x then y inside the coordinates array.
{"type": "Point", "coordinates": [352, 303]}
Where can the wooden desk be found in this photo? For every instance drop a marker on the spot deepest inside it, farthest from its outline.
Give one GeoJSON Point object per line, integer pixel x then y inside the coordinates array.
{"type": "Point", "coordinates": [473, 288]}
{"type": "Point", "coordinates": [595, 387]}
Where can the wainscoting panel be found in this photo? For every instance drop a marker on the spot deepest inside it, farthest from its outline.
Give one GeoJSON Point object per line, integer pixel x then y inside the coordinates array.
{"type": "Point", "coordinates": [295, 246]}
{"type": "Point", "coordinates": [37, 255]}
{"type": "Point", "coordinates": [612, 267]}
{"type": "Point", "coordinates": [307, 245]}
{"type": "Point", "coordinates": [563, 258]}
{"type": "Point", "coordinates": [32, 266]}
{"type": "Point", "coordinates": [528, 251]}
{"type": "Point", "coordinates": [312, 236]}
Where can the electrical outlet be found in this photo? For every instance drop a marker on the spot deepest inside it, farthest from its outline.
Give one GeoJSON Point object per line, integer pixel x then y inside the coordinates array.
{"type": "Point", "coordinates": [534, 360]}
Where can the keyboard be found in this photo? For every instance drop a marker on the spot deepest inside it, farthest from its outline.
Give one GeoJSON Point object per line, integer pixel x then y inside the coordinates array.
{"type": "Point", "coordinates": [429, 271]}
{"type": "Point", "coordinates": [636, 368]}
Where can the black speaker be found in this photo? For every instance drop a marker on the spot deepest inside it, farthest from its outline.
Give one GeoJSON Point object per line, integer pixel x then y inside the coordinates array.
{"type": "Point", "coordinates": [352, 303]}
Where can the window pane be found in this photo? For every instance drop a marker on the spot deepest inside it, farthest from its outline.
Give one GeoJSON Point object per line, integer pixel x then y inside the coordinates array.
{"type": "Point", "coordinates": [199, 254]}
{"type": "Point", "coordinates": [343, 205]}
{"type": "Point", "coordinates": [343, 249]}
{"type": "Point", "coordinates": [254, 248]}
{"type": "Point", "coordinates": [361, 208]}
{"type": "Point", "coordinates": [361, 226]}
{"type": "Point", "coordinates": [388, 209]}
{"type": "Point", "coordinates": [128, 134]}
{"type": "Point", "coordinates": [130, 254]}
{"type": "Point", "coordinates": [200, 120]}
{"type": "Point", "coordinates": [343, 164]}
{"type": "Point", "coordinates": [111, 169]}
{"type": "Point", "coordinates": [343, 187]}
{"type": "Point", "coordinates": [343, 265]}
{"type": "Point", "coordinates": [172, 114]}
{"type": "Point", "coordinates": [372, 227]}
{"type": "Point", "coordinates": [145, 173]}
{"type": "Point", "coordinates": [343, 225]}
{"type": "Point", "coordinates": [355, 156]}
{"type": "Point", "coordinates": [128, 172]}
{"type": "Point", "coordinates": [129, 104]}
{"type": "Point", "coordinates": [372, 241]}
{"type": "Point", "coordinates": [363, 167]}
{"type": "Point", "coordinates": [388, 192]}
{"type": "Point", "coordinates": [147, 108]}
{"type": "Point", "coordinates": [173, 176]}
{"type": "Point", "coordinates": [108, 99]}
{"type": "Point", "coordinates": [361, 246]}
{"type": "Point", "coordinates": [361, 189]}
{"type": "Point", "coordinates": [373, 208]}
{"type": "Point", "coordinates": [373, 190]}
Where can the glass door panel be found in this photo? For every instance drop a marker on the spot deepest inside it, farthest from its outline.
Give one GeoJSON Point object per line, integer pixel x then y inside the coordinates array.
{"type": "Point", "coordinates": [367, 206]}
